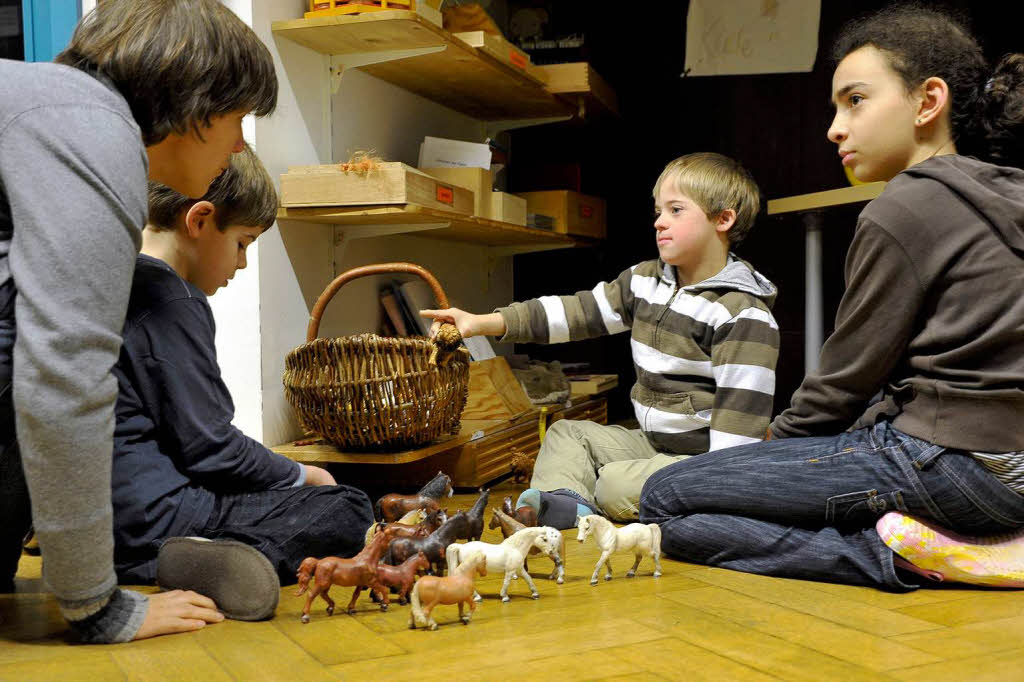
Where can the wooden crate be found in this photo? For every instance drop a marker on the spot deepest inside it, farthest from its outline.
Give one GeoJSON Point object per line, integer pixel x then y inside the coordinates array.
{"type": "Point", "coordinates": [477, 180]}
{"type": "Point", "coordinates": [574, 213]}
{"type": "Point", "coordinates": [592, 384]}
{"type": "Point", "coordinates": [503, 51]}
{"type": "Point", "coordinates": [508, 208]}
{"type": "Point", "coordinates": [390, 183]}
{"type": "Point", "coordinates": [594, 410]}
{"type": "Point", "coordinates": [579, 78]}
{"type": "Point", "coordinates": [338, 8]}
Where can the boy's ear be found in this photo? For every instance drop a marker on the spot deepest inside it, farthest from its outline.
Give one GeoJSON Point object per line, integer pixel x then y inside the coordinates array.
{"type": "Point", "coordinates": [725, 220]}
{"type": "Point", "coordinates": [201, 215]}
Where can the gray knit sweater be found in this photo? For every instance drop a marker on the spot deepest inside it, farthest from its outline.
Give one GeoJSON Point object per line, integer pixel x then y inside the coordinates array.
{"type": "Point", "coordinates": [73, 175]}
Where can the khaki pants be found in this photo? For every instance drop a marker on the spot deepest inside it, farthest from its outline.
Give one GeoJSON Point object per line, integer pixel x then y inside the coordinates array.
{"type": "Point", "coordinates": [606, 465]}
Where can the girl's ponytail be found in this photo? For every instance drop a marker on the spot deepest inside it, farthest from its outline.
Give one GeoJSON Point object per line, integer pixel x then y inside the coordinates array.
{"type": "Point", "coordinates": [1002, 119]}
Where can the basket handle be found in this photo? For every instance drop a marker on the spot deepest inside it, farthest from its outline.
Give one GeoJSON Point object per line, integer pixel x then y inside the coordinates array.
{"type": "Point", "coordinates": [363, 271]}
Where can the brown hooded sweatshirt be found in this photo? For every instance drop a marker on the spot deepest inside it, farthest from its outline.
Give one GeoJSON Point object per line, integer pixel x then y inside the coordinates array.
{"type": "Point", "coordinates": [933, 313]}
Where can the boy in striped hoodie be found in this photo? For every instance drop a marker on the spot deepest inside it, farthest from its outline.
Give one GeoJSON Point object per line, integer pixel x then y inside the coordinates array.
{"type": "Point", "coordinates": [703, 338]}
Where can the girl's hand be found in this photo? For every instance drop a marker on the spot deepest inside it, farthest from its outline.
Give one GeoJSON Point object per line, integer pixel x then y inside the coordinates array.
{"type": "Point", "coordinates": [318, 476]}
{"type": "Point", "coordinates": [177, 611]}
{"type": "Point", "coordinates": [468, 324]}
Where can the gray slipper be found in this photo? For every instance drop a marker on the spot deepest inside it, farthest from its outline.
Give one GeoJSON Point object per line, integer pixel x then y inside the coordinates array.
{"type": "Point", "coordinates": [241, 581]}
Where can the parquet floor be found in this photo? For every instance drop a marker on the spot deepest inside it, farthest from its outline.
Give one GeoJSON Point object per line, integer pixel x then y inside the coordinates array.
{"type": "Point", "coordinates": [693, 623]}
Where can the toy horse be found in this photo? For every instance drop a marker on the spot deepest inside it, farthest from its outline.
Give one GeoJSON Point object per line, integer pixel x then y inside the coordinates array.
{"type": "Point", "coordinates": [359, 572]}
{"type": "Point", "coordinates": [524, 515]}
{"type": "Point", "coordinates": [429, 591]}
{"type": "Point", "coordinates": [402, 577]}
{"type": "Point", "coordinates": [433, 545]}
{"type": "Point", "coordinates": [639, 537]}
{"type": "Point", "coordinates": [392, 506]}
{"type": "Point", "coordinates": [508, 526]}
{"type": "Point", "coordinates": [508, 557]}
{"type": "Point", "coordinates": [422, 528]}
{"type": "Point", "coordinates": [475, 517]}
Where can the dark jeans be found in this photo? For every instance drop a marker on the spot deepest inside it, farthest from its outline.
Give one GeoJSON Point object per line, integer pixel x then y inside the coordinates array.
{"type": "Point", "coordinates": [285, 525]}
{"type": "Point", "coordinates": [807, 507]}
{"type": "Point", "coordinates": [15, 513]}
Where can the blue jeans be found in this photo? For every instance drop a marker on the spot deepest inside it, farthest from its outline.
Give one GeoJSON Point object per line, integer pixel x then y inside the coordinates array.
{"type": "Point", "coordinates": [286, 526]}
{"type": "Point", "coordinates": [806, 507]}
{"type": "Point", "coordinates": [15, 515]}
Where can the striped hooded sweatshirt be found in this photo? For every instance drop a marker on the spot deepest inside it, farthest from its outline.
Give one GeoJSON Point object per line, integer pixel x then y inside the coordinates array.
{"type": "Point", "coordinates": [704, 353]}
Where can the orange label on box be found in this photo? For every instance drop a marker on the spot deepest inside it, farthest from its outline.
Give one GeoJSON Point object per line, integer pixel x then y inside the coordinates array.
{"type": "Point", "coordinates": [517, 59]}
{"type": "Point", "coordinates": [445, 195]}
{"type": "Point", "coordinates": [586, 211]}
{"type": "Point", "coordinates": [321, 5]}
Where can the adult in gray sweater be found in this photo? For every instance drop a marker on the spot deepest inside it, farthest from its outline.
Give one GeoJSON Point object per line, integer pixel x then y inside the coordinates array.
{"type": "Point", "coordinates": [928, 482]}
{"type": "Point", "coordinates": [154, 90]}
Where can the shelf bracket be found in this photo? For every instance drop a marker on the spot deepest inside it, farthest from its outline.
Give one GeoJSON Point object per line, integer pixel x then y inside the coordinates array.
{"type": "Point", "coordinates": [340, 62]}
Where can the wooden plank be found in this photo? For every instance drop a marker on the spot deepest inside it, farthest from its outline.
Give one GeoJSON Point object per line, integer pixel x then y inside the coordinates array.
{"type": "Point", "coordinates": [503, 51]}
{"type": "Point", "coordinates": [983, 606]}
{"type": "Point", "coordinates": [387, 183]}
{"type": "Point", "coordinates": [843, 642]}
{"type": "Point", "coordinates": [973, 639]}
{"type": "Point", "coordinates": [999, 667]}
{"type": "Point", "coordinates": [832, 197]}
{"type": "Point", "coordinates": [461, 228]}
{"type": "Point", "coordinates": [460, 77]}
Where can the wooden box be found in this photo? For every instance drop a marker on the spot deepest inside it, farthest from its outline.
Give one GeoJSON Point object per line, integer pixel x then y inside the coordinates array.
{"type": "Point", "coordinates": [503, 51]}
{"type": "Point", "coordinates": [477, 180]}
{"type": "Point", "coordinates": [579, 78]}
{"type": "Point", "coordinates": [508, 208]}
{"type": "Point", "coordinates": [592, 384]}
{"type": "Point", "coordinates": [574, 213]}
{"type": "Point", "coordinates": [390, 183]}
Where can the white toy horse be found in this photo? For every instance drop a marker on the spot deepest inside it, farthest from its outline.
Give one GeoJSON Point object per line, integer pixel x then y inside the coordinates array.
{"type": "Point", "coordinates": [509, 555]}
{"type": "Point", "coordinates": [638, 537]}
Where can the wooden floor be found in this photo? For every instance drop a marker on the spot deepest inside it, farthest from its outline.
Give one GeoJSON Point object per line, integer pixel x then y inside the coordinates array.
{"type": "Point", "coordinates": [692, 623]}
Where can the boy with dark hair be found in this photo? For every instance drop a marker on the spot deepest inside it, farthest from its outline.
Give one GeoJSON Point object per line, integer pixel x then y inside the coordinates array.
{"type": "Point", "coordinates": [180, 468]}
{"type": "Point", "coordinates": [157, 89]}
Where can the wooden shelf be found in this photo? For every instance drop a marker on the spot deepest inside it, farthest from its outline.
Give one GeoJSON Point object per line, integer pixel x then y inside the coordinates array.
{"type": "Point", "coordinates": [579, 83]}
{"type": "Point", "coordinates": [459, 76]}
{"type": "Point", "coordinates": [832, 197]}
{"type": "Point", "coordinates": [366, 221]}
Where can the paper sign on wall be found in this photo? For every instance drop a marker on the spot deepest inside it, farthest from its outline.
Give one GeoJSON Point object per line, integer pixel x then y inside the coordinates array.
{"type": "Point", "coordinates": [732, 37]}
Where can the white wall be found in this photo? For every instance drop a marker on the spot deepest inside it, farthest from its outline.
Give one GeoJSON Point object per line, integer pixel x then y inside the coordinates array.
{"type": "Point", "coordinates": [265, 311]}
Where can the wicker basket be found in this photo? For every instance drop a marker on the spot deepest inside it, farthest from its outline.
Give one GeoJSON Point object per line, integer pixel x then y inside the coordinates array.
{"type": "Point", "coordinates": [370, 392]}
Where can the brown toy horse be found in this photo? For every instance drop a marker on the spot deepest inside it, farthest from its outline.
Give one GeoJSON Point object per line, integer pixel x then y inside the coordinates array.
{"type": "Point", "coordinates": [524, 515]}
{"type": "Point", "coordinates": [391, 507]}
{"type": "Point", "coordinates": [359, 572]}
{"type": "Point", "coordinates": [429, 591]}
{"type": "Point", "coordinates": [428, 525]}
{"type": "Point", "coordinates": [402, 577]}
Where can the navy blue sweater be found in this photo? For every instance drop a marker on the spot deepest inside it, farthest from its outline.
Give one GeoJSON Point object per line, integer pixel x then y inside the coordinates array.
{"type": "Point", "coordinates": [174, 446]}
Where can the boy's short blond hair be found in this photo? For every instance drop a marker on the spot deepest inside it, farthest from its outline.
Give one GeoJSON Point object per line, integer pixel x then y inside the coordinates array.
{"type": "Point", "coordinates": [243, 194]}
{"type": "Point", "coordinates": [715, 183]}
{"type": "Point", "coordinates": [176, 62]}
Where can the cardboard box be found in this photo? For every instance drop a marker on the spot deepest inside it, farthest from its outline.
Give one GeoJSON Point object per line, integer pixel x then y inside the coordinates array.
{"type": "Point", "coordinates": [592, 384]}
{"type": "Point", "coordinates": [508, 208]}
{"type": "Point", "coordinates": [390, 183]}
{"type": "Point", "coordinates": [574, 213]}
{"type": "Point", "coordinates": [503, 51]}
{"type": "Point", "coordinates": [476, 180]}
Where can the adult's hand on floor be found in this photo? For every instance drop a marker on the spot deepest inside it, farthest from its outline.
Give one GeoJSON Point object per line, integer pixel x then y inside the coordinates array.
{"type": "Point", "coordinates": [177, 611]}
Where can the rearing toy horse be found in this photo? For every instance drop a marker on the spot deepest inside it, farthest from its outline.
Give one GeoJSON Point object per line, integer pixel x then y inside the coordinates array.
{"type": "Point", "coordinates": [392, 506]}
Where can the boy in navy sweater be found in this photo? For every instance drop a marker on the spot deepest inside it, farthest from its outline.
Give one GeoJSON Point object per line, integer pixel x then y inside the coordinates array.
{"type": "Point", "coordinates": [180, 468]}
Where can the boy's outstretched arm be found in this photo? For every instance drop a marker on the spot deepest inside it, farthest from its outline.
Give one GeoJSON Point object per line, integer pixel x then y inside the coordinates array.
{"type": "Point", "coordinates": [606, 309]}
{"type": "Point", "coordinates": [743, 358]}
{"type": "Point", "coordinates": [468, 324]}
